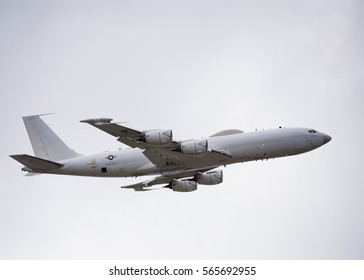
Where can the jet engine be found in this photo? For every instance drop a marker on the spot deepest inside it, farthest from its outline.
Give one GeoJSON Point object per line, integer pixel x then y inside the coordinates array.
{"type": "Point", "coordinates": [194, 147]}
{"type": "Point", "coordinates": [183, 185]}
{"type": "Point", "coordinates": [209, 178]}
{"type": "Point", "coordinates": [158, 137]}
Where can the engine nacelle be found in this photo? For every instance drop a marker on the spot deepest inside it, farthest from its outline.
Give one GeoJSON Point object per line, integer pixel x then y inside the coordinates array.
{"type": "Point", "coordinates": [209, 178]}
{"type": "Point", "coordinates": [183, 185]}
{"type": "Point", "coordinates": [158, 137]}
{"type": "Point", "coordinates": [194, 147]}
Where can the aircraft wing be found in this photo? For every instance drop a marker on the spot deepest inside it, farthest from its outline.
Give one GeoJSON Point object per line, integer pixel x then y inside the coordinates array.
{"type": "Point", "coordinates": [165, 178]}
{"type": "Point", "coordinates": [164, 156]}
{"type": "Point", "coordinates": [143, 186]}
{"type": "Point", "coordinates": [125, 134]}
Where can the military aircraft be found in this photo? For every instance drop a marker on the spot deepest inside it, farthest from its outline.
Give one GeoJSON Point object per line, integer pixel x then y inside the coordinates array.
{"type": "Point", "coordinates": [178, 165]}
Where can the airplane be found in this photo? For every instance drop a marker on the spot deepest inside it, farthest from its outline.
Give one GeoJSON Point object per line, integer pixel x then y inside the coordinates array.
{"type": "Point", "coordinates": [178, 165]}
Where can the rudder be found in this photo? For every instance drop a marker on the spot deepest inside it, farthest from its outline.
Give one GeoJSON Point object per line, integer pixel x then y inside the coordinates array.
{"type": "Point", "coordinates": [45, 143]}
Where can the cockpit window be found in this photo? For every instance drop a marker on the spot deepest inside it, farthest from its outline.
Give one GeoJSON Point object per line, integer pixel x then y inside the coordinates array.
{"type": "Point", "coordinates": [312, 131]}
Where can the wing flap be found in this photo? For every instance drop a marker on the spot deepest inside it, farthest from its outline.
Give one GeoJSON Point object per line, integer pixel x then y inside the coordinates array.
{"type": "Point", "coordinates": [155, 157]}
{"type": "Point", "coordinates": [129, 142]}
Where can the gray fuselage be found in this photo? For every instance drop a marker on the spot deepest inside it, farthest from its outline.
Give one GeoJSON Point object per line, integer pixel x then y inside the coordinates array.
{"type": "Point", "coordinates": [240, 147]}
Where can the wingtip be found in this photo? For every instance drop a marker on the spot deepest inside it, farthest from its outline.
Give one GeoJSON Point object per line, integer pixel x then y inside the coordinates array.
{"type": "Point", "coordinates": [97, 120]}
{"type": "Point", "coordinates": [137, 189]}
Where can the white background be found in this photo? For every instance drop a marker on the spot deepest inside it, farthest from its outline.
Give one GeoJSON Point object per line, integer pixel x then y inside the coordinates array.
{"type": "Point", "coordinates": [196, 67]}
{"type": "Point", "coordinates": [202, 269]}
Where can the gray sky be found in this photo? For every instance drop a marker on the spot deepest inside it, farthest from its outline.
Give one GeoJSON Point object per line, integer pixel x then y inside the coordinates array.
{"type": "Point", "coordinates": [196, 67]}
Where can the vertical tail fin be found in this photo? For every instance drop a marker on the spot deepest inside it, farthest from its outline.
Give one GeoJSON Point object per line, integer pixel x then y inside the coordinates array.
{"type": "Point", "coordinates": [46, 144]}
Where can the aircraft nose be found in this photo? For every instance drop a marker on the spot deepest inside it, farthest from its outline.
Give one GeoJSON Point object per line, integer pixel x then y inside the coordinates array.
{"type": "Point", "coordinates": [327, 138]}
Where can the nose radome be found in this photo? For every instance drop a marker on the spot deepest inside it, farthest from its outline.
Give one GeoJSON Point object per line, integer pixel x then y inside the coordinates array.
{"type": "Point", "coordinates": [327, 138]}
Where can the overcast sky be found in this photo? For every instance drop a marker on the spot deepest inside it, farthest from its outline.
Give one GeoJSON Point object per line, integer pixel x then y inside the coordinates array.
{"type": "Point", "coordinates": [196, 67]}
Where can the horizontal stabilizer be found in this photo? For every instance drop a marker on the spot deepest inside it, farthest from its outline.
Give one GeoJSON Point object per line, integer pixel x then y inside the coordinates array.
{"type": "Point", "coordinates": [36, 164]}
